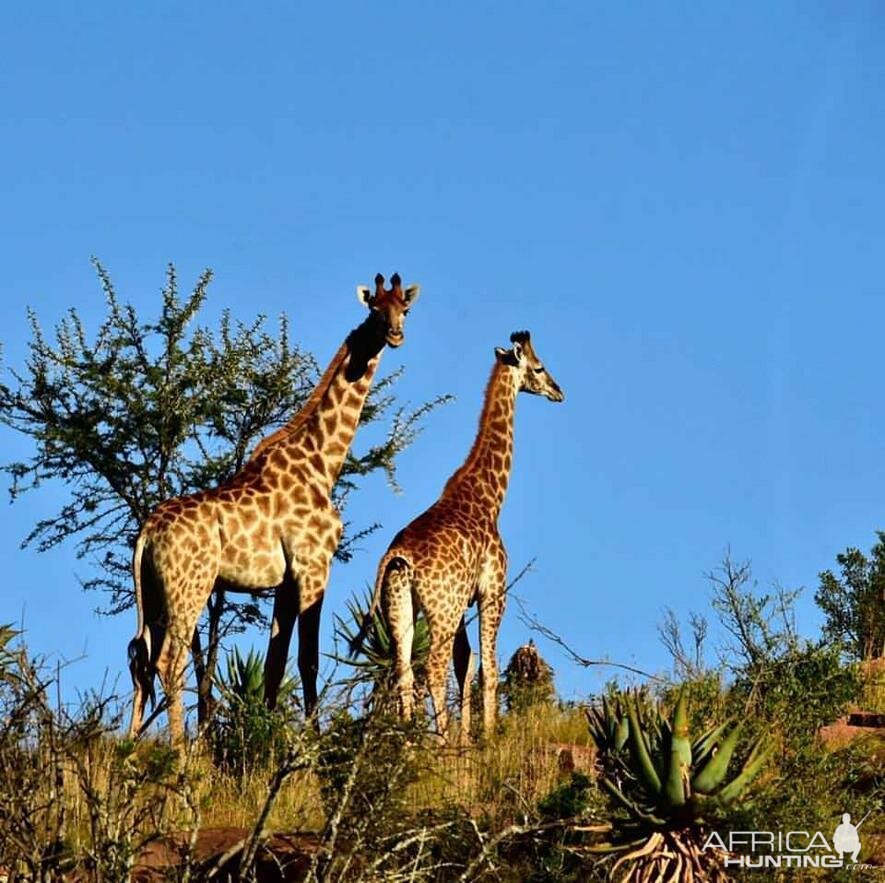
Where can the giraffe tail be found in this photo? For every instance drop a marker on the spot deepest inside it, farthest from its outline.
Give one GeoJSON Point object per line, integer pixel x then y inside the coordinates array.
{"type": "Point", "coordinates": [141, 665]}
{"type": "Point", "coordinates": [392, 560]}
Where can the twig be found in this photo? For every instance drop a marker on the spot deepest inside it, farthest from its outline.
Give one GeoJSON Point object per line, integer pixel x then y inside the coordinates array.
{"type": "Point", "coordinates": [259, 832]}
{"type": "Point", "coordinates": [536, 625]}
{"type": "Point", "coordinates": [516, 831]}
{"type": "Point", "coordinates": [421, 835]}
{"type": "Point", "coordinates": [223, 859]}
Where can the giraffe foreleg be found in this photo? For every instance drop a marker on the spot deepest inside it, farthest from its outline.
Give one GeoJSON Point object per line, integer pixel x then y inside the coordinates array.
{"type": "Point", "coordinates": [309, 653]}
{"type": "Point", "coordinates": [463, 661]}
{"type": "Point", "coordinates": [311, 589]}
{"type": "Point", "coordinates": [491, 597]}
{"type": "Point", "coordinates": [285, 612]}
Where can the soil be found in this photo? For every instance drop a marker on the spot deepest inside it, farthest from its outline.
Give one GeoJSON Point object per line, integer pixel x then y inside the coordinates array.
{"type": "Point", "coordinates": [284, 858]}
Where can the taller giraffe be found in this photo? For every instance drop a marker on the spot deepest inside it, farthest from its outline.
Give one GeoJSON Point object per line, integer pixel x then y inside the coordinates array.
{"type": "Point", "coordinates": [272, 526]}
{"type": "Point", "coordinates": [452, 556]}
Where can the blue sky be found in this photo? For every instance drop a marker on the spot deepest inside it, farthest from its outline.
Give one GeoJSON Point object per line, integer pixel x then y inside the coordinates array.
{"type": "Point", "coordinates": [683, 204]}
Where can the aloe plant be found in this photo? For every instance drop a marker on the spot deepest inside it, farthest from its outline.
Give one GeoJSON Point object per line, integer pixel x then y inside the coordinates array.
{"type": "Point", "coordinates": [670, 785]}
{"type": "Point", "coordinates": [375, 659]}
{"type": "Point", "coordinates": [244, 731]}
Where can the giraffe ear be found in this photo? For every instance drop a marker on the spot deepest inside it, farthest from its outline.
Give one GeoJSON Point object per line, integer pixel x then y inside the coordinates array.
{"type": "Point", "coordinates": [507, 357]}
{"type": "Point", "coordinates": [410, 295]}
{"type": "Point", "coordinates": [364, 295]}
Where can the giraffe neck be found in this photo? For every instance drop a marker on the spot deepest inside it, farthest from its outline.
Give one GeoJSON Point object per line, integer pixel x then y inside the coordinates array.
{"type": "Point", "coordinates": [486, 471]}
{"type": "Point", "coordinates": [322, 431]}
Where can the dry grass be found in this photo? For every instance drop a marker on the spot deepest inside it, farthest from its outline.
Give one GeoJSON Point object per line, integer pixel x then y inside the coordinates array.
{"type": "Point", "coordinates": [873, 698]}
{"type": "Point", "coordinates": [500, 778]}
{"type": "Point", "coordinates": [506, 774]}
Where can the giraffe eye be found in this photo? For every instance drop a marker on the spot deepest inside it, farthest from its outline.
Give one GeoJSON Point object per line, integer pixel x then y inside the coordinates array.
{"type": "Point", "coordinates": [539, 370]}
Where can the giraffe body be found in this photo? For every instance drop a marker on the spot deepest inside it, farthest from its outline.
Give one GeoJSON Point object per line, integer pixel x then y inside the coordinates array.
{"type": "Point", "coordinates": [273, 526]}
{"type": "Point", "coordinates": [452, 555]}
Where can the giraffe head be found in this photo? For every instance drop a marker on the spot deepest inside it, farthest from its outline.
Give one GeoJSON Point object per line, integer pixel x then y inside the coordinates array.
{"type": "Point", "coordinates": [533, 376]}
{"type": "Point", "coordinates": [388, 307]}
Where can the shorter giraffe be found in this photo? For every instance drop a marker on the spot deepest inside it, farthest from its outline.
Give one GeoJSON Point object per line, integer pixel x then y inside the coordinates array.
{"type": "Point", "coordinates": [452, 556]}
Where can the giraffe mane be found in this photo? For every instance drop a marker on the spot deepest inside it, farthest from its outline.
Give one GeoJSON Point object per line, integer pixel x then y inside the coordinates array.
{"type": "Point", "coordinates": [300, 419]}
{"type": "Point", "coordinates": [484, 417]}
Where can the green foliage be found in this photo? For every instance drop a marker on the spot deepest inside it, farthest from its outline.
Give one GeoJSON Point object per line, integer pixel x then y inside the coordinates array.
{"type": "Point", "coordinates": [365, 768]}
{"type": "Point", "coordinates": [785, 687]}
{"type": "Point", "coordinates": [793, 696]}
{"type": "Point", "coordinates": [854, 602]}
{"type": "Point", "coordinates": [569, 800]}
{"type": "Point", "coordinates": [800, 691]}
{"type": "Point", "coordinates": [245, 733]}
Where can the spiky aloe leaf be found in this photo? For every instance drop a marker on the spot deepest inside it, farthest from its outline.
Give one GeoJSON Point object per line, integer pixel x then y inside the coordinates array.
{"type": "Point", "coordinates": [676, 783]}
{"type": "Point", "coordinates": [608, 715]}
{"type": "Point", "coordinates": [703, 745]}
{"type": "Point", "coordinates": [376, 656]}
{"type": "Point", "coordinates": [609, 726]}
{"type": "Point", "coordinates": [598, 726]}
{"type": "Point", "coordinates": [630, 805]}
{"type": "Point", "coordinates": [754, 763]}
{"type": "Point", "coordinates": [712, 773]}
{"type": "Point", "coordinates": [7, 633]}
{"type": "Point", "coordinates": [640, 750]}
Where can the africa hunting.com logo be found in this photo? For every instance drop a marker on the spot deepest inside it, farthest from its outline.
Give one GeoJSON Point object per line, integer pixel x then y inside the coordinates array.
{"type": "Point", "coordinates": [789, 849]}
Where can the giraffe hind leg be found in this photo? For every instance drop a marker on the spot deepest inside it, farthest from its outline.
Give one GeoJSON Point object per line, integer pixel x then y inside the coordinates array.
{"type": "Point", "coordinates": [142, 671]}
{"type": "Point", "coordinates": [173, 655]}
{"type": "Point", "coordinates": [399, 613]}
{"type": "Point", "coordinates": [144, 647]}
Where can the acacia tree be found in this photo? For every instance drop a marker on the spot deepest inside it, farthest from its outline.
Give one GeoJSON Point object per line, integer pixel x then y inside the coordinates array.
{"type": "Point", "coordinates": [854, 602]}
{"type": "Point", "coordinates": [144, 411]}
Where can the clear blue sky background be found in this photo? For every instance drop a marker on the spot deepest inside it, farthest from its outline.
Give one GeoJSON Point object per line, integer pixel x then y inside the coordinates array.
{"type": "Point", "coordinates": [682, 202]}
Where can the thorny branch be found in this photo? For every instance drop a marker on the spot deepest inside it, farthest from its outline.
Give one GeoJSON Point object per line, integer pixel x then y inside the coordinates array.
{"type": "Point", "coordinates": [533, 623]}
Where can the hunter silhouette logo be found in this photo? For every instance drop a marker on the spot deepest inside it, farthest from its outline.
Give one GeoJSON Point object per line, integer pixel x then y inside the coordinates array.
{"type": "Point", "coordinates": [846, 838]}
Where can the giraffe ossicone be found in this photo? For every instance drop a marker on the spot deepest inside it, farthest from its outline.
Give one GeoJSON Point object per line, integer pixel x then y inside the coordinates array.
{"type": "Point", "coordinates": [452, 555]}
{"type": "Point", "coordinates": [272, 526]}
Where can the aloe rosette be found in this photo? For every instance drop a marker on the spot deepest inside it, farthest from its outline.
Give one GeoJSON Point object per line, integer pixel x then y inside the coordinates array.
{"type": "Point", "coordinates": [670, 785]}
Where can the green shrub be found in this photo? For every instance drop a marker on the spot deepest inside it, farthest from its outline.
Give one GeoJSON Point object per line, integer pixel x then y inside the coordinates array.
{"type": "Point", "coordinates": [245, 733]}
